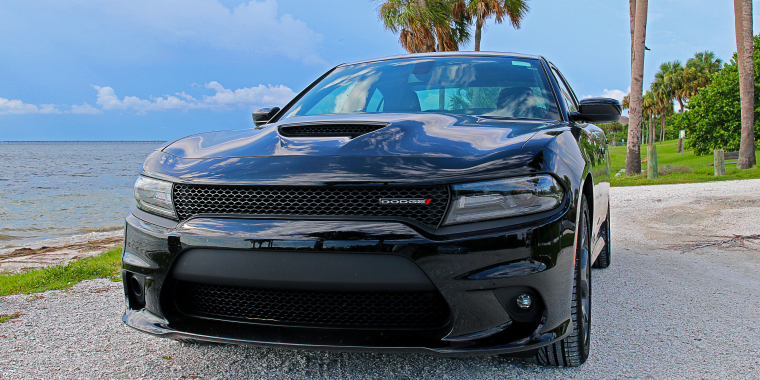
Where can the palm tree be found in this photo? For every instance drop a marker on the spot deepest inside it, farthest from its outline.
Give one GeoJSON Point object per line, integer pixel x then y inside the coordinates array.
{"type": "Point", "coordinates": [744, 42]}
{"type": "Point", "coordinates": [663, 110]}
{"type": "Point", "coordinates": [480, 10]}
{"type": "Point", "coordinates": [705, 61]}
{"type": "Point", "coordinates": [425, 25]}
{"type": "Point", "coordinates": [649, 107]}
{"type": "Point", "coordinates": [639, 23]}
{"type": "Point", "coordinates": [698, 73]}
{"type": "Point", "coordinates": [669, 82]}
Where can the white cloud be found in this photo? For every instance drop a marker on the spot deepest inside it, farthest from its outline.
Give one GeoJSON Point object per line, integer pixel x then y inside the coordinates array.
{"type": "Point", "coordinates": [85, 108]}
{"type": "Point", "coordinates": [252, 27]}
{"type": "Point", "coordinates": [614, 94]}
{"type": "Point", "coordinates": [248, 96]}
{"type": "Point", "coordinates": [15, 106]}
{"type": "Point", "coordinates": [223, 99]}
{"type": "Point", "coordinates": [49, 109]}
{"type": "Point", "coordinates": [108, 100]}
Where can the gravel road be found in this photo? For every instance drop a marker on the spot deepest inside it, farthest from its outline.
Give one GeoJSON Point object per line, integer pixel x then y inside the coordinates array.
{"type": "Point", "coordinates": [658, 312]}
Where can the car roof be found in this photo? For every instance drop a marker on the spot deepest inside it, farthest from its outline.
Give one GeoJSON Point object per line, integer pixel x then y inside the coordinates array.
{"type": "Point", "coordinates": [447, 54]}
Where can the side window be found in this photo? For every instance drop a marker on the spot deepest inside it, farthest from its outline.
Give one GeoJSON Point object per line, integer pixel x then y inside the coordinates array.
{"type": "Point", "coordinates": [567, 96]}
{"type": "Point", "coordinates": [430, 100]}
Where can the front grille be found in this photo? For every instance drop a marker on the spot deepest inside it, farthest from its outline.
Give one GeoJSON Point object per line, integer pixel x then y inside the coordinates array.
{"type": "Point", "coordinates": [362, 201]}
{"type": "Point", "coordinates": [396, 310]}
{"type": "Point", "coordinates": [329, 130]}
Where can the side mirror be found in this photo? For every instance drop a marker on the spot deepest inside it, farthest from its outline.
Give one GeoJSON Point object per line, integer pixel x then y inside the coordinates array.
{"type": "Point", "coordinates": [262, 115]}
{"type": "Point", "coordinates": [598, 110]}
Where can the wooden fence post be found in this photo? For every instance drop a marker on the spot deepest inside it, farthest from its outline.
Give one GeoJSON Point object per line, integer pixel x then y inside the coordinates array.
{"type": "Point", "coordinates": [652, 162]}
{"type": "Point", "coordinates": [720, 162]}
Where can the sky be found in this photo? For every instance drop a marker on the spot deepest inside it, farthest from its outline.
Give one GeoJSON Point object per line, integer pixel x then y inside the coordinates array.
{"type": "Point", "coordinates": [163, 69]}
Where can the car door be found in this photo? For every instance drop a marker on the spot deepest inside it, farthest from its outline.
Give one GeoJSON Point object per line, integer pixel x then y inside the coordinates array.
{"type": "Point", "coordinates": [593, 145]}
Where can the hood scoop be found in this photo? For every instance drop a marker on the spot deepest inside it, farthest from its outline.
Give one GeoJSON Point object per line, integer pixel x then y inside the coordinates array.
{"type": "Point", "coordinates": [328, 130]}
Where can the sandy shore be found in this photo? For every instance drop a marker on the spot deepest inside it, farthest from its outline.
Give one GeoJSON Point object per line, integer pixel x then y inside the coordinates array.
{"type": "Point", "coordinates": [57, 251]}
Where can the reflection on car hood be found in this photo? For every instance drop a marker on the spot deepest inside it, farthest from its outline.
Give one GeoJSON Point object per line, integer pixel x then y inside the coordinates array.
{"type": "Point", "coordinates": [418, 148]}
{"type": "Point", "coordinates": [428, 135]}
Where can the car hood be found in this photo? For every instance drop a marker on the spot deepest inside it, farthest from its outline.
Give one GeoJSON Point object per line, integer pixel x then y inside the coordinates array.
{"type": "Point", "coordinates": [428, 135]}
{"type": "Point", "coordinates": [412, 147]}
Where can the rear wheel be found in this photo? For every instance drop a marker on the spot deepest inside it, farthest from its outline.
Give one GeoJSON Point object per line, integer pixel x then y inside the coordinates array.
{"type": "Point", "coordinates": [603, 260]}
{"type": "Point", "coordinates": [573, 350]}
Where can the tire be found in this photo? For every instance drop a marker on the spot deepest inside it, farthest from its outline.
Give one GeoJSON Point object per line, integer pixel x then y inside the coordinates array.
{"type": "Point", "coordinates": [573, 350]}
{"type": "Point", "coordinates": [603, 260]}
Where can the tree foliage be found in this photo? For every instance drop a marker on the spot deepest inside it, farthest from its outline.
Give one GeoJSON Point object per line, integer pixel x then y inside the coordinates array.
{"type": "Point", "coordinates": [478, 11]}
{"type": "Point", "coordinates": [444, 25]}
{"type": "Point", "coordinates": [674, 81]}
{"type": "Point", "coordinates": [425, 25]}
{"type": "Point", "coordinates": [713, 120]}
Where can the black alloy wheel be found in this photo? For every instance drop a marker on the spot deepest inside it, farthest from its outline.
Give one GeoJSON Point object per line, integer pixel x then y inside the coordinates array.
{"type": "Point", "coordinates": [603, 260]}
{"type": "Point", "coordinates": [573, 350]}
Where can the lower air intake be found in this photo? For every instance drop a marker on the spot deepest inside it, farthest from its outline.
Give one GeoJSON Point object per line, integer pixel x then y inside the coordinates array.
{"type": "Point", "coordinates": [393, 310]}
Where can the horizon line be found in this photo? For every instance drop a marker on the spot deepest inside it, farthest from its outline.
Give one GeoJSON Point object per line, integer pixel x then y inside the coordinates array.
{"type": "Point", "coordinates": [82, 141]}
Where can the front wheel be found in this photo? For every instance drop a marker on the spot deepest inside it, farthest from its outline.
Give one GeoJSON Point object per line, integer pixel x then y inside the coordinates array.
{"type": "Point", "coordinates": [573, 350]}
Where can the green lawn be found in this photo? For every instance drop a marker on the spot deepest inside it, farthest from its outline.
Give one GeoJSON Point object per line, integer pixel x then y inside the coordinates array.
{"type": "Point", "coordinates": [107, 264]}
{"type": "Point", "coordinates": [687, 169]}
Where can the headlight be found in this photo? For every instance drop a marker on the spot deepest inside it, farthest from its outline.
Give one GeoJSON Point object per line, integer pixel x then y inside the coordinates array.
{"type": "Point", "coordinates": [503, 198]}
{"type": "Point", "coordinates": [154, 196]}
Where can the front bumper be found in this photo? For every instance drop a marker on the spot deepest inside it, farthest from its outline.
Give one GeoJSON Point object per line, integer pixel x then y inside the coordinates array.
{"type": "Point", "coordinates": [468, 271]}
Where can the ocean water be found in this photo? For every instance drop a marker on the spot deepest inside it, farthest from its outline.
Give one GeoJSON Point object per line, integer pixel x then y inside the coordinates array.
{"type": "Point", "coordinates": [59, 189]}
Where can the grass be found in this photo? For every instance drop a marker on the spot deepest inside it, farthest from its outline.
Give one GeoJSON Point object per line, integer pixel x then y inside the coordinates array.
{"type": "Point", "coordinates": [674, 168]}
{"type": "Point", "coordinates": [7, 317]}
{"type": "Point", "coordinates": [107, 264]}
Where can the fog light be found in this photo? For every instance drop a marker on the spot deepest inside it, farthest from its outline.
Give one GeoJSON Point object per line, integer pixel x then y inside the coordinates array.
{"type": "Point", "coordinates": [524, 301]}
{"type": "Point", "coordinates": [136, 287]}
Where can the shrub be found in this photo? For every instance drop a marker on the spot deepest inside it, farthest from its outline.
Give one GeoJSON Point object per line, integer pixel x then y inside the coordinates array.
{"type": "Point", "coordinates": [713, 120]}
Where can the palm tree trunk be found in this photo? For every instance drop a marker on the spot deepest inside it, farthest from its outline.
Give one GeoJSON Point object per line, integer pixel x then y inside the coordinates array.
{"type": "Point", "coordinates": [633, 155]}
{"type": "Point", "coordinates": [429, 45]}
{"type": "Point", "coordinates": [644, 132]}
{"type": "Point", "coordinates": [662, 130]}
{"type": "Point", "coordinates": [478, 33]}
{"type": "Point", "coordinates": [744, 42]}
{"type": "Point", "coordinates": [632, 6]}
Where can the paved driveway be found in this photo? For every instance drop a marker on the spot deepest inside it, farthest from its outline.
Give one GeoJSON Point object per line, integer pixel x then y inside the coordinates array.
{"type": "Point", "coordinates": [658, 312]}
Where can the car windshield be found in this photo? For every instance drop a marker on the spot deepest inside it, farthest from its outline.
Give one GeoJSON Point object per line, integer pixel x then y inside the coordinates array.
{"type": "Point", "coordinates": [483, 86]}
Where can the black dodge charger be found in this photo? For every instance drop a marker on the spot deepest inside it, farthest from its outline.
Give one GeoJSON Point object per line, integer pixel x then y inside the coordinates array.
{"type": "Point", "coordinates": [444, 203]}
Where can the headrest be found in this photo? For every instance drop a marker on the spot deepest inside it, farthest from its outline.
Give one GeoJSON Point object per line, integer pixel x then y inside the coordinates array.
{"type": "Point", "coordinates": [404, 99]}
{"type": "Point", "coordinates": [511, 93]}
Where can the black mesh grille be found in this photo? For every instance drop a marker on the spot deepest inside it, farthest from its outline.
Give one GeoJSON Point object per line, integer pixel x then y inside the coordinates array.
{"type": "Point", "coordinates": [328, 130]}
{"type": "Point", "coordinates": [314, 308]}
{"type": "Point", "coordinates": [190, 200]}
